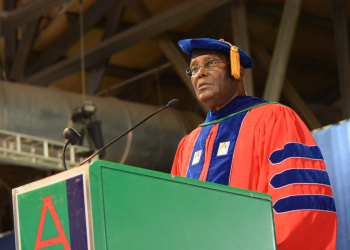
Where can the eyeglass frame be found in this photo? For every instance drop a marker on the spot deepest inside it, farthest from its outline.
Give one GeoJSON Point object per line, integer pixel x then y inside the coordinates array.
{"type": "Point", "coordinates": [189, 70]}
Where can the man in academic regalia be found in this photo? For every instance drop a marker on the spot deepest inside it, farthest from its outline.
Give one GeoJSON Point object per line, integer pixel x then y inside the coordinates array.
{"type": "Point", "coordinates": [250, 143]}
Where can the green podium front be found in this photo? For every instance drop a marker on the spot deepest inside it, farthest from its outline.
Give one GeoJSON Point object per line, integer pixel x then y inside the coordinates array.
{"type": "Point", "coordinates": [112, 206]}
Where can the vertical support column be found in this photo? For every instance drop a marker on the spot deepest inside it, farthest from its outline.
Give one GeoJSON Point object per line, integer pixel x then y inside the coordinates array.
{"type": "Point", "coordinates": [46, 149]}
{"type": "Point", "coordinates": [241, 39]}
{"type": "Point", "coordinates": [282, 49]}
{"type": "Point", "coordinates": [72, 154]}
{"type": "Point", "coordinates": [18, 143]}
{"type": "Point", "coordinates": [342, 48]}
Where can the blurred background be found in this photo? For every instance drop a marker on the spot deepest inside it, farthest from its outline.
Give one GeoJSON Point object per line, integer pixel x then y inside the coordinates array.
{"type": "Point", "coordinates": [101, 66]}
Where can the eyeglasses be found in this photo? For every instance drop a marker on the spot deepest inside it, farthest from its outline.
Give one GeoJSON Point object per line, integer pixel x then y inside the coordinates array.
{"type": "Point", "coordinates": [209, 65]}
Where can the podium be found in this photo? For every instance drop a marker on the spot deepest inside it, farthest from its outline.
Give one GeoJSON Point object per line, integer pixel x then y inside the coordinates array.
{"type": "Point", "coordinates": [112, 206]}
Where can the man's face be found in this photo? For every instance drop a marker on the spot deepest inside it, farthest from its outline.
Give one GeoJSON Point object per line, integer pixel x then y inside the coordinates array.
{"type": "Point", "coordinates": [214, 88]}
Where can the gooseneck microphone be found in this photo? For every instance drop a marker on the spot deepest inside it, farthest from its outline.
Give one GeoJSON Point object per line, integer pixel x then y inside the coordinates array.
{"type": "Point", "coordinates": [73, 138]}
{"type": "Point", "coordinates": [172, 104]}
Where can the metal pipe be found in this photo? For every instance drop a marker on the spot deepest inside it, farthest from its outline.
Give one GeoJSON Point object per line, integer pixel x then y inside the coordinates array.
{"type": "Point", "coordinates": [135, 78]}
{"type": "Point", "coordinates": [46, 112]}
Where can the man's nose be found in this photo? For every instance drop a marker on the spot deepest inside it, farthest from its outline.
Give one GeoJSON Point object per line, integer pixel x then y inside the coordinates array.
{"type": "Point", "coordinates": [202, 72]}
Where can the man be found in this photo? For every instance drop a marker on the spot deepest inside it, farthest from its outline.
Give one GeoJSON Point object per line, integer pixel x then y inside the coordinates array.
{"type": "Point", "coordinates": [249, 143]}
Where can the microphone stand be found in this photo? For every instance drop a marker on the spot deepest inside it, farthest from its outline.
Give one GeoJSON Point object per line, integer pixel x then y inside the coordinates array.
{"type": "Point", "coordinates": [73, 138]}
{"type": "Point", "coordinates": [171, 104]}
{"type": "Point", "coordinates": [64, 154]}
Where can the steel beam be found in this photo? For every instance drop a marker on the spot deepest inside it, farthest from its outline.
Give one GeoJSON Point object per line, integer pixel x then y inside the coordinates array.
{"type": "Point", "coordinates": [140, 32]}
{"type": "Point", "coordinates": [97, 74]}
{"type": "Point", "coordinates": [282, 50]}
{"type": "Point", "coordinates": [10, 40]}
{"type": "Point", "coordinates": [135, 78]}
{"type": "Point", "coordinates": [120, 72]}
{"type": "Point", "coordinates": [25, 47]}
{"type": "Point", "coordinates": [27, 13]}
{"type": "Point", "coordinates": [241, 39]}
{"type": "Point", "coordinates": [70, 36]}
{"type": "Point", "coordinates": [342, 48]}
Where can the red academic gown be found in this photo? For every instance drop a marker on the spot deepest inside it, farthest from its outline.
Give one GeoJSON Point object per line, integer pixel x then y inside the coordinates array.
{"type": "Point", "coordinates": [267, 149]}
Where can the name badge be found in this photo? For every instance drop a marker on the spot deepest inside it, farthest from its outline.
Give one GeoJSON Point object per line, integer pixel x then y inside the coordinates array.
{"type": "Point", "coordinates": [196, 157]}
{"type": "Point", "coordinates": [223, 148]}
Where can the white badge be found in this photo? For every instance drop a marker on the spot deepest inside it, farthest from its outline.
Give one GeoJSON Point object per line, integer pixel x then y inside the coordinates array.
{"type": "Point", "coordinates": [196, 157]}
{"type": "Point", "coordinates": [223, 148]}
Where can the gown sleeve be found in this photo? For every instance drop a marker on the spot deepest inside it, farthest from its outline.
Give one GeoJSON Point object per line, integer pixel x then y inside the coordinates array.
{"type": "Point", "coordinates": [178, 160]}
{"type": "Point", "coordinates": [296, 178]}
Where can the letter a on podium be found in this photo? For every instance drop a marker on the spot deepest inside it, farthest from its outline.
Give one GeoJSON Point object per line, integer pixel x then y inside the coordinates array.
{"type": "Point", "coordinates": [53, 241]}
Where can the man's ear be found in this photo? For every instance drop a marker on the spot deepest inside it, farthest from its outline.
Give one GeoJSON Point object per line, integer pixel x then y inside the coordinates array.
{"type": "Point", "coordinates": [241, 71]}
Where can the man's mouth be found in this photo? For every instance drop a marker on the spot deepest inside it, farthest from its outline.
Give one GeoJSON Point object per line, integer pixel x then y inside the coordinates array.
{"type": "Point", "coordinates": [202, 85]}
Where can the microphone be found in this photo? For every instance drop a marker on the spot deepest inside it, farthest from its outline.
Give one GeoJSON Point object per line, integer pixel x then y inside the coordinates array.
{"type": "Point", "coordinates": [71, 135]}
{"type": "Point", "coordinates": [171, 104]}
{"type": "Point", "coordinates": [73, 138]}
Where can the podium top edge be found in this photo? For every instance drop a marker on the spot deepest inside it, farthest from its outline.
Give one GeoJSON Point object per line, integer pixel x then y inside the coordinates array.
{"type": "Point", "coordinates": [51, 179]}
{"type": "Point", "coordinates": [96, 165]}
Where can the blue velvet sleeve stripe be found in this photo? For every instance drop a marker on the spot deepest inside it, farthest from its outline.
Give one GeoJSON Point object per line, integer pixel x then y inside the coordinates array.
{"type": "Point", "coordinates": [295, 150]}
{"type": "Point", "coordinates": [295, 176]}
{"type": "Point", "coordinates": [304, 202]}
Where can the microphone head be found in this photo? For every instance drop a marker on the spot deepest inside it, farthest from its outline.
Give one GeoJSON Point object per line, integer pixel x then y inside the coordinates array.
{"type": "Point", "coordinates": [71, 135]}
{"type": "Point", "coordinates": [173, 103]}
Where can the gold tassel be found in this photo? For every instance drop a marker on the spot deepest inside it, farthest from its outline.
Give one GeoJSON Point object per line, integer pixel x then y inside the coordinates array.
{"type": "Point", "coordinates": [235, 61]}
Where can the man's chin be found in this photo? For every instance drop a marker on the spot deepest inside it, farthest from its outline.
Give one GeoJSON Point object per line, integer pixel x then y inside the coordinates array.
{"type": "Point", "coordinates": [206, 100]}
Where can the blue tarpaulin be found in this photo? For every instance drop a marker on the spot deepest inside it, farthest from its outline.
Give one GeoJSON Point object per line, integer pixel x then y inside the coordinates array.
{"type": "Point", "coordinates": [334, 142]}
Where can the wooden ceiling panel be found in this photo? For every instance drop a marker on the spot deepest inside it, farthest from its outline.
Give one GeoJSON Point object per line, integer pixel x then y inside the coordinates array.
{"type": "Point", "coordinates": [323, 8]}
{"type": "Point", "coordinates": [140, 56]}
{"type": "Point", "coordinates": [22, 2]}
{"type": "Point", "coordinates": [159, 6]}
{"type": "Point", "coordinates": [72, 83]}
{"type": "Point", "coordinates": [314, 43]}
{"type": "Point", "coordinates": [110, 81]}
{"type": "Point", "coordinates": [51, 33]}
{"type": "Point", "coordinates": [155, 7]}
{"type": "Point", "coordinates": [74, 7]}
{"type": "Point", "coordinates": [188, 26]}
{"type": "Point", "coordinates": [169, 93]}
{"type": "Point", "coordinates": [312, 84]}
{"type": "Point", "coordinates": [131, 17]}
{"type": "Point", "coordinates": [91, 38]}
{"type": "Point", "coordinates": [320, 8]}
{"type": "Point", "coordinates": [263, 30]}
{"type": "Point", "coordinates": [309, 42]}
{"type": "Point", "coordinates": [59, 25]}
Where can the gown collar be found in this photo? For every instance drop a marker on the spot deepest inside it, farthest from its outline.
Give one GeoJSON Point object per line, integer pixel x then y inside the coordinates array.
{"type": "Point", "coordinates": [238, 103]}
